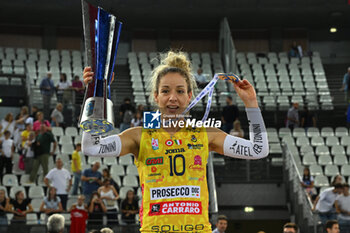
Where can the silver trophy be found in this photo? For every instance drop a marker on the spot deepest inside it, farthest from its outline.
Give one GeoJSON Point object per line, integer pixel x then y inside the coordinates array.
{"type": "Point", "coordinates": [101, 34]}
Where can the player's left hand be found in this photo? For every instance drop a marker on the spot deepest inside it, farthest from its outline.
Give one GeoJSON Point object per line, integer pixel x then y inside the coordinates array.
{"type": "Point", "coordinates": [247, 93]}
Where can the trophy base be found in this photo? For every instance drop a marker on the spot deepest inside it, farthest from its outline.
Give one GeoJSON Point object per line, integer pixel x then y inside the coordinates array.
{"type": "Point", "coordinates": [94, 119]}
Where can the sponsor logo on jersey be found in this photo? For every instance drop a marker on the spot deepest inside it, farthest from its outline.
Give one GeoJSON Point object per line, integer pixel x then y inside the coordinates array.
{"type": "Point", "coordinates": [193, 138]}
{"type": "Point", "coordinates": [154, 170]}
{"type": "Point", "coordinates": [155, 144]}
{"type": "Point", "coordinates": [176, 207]}
{"type": "Point", "coordinates": [178, 228]}
{"type": "Point", "coordinates": [154, 161]}
{"type": "Point", "coordinates": [194, 146]}
{"type": "Point", "coordinates": [186, 191]}
{"type": "Point", "coordinates": [155, 180]}
{"type": "Point", "coordinates": [169, 142]}
{"type": "Point", "coordinates": [197, 163]}
{"type": "Point", "coordinates": [172, 151]}
{"type": "Point", "coordinates": [196, 178]}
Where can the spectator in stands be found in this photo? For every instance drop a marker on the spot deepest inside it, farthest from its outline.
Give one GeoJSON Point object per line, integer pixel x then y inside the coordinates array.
{"type": "Point", "coordinates": [200, 78]}
{"type": "Point", "coordinates": [25, 133]}
{"type": "Point", "coordinates": [130, 207]}
{"type": "Point", "coordinates": [4, 206]}
{"type": "Point", "coordinates": [107, 175]}
{"type": "Point", "coordinates": [221, 224]}
{"type": "Point", "coordinates": [332, 226]}
{"type": "Point", "coordinates": [78, 87]}
{"type": "Point", "coordinates": [293, 116]}
{"type": "Point", "coordinates": [57, 118]}
{"type": "Point", "coordinates": [20, 125]}
{"type": "Point", "coordinates": [140, 108]}
{"type": "Point", "coordinates": [136, 120]}
{"type": "Point", "coordinates": [42, 152]}
{"type": "Point", "coordinates": [338, 179]}
{"type": "Point", "coordinates": [7, 124]}
{"type": "Point", "coordinates": [20, 207]}
{"type": "Point", "coordinates": [52, 203]}
{"type": "Point", "coordinates": [106, 230]}
{"type": "Point", "coordinates": [230, 113]}
{"type": "Point", "coordinates": [91, 178]}
{"type": "Point", "coordinates": [61, 87]}
{"type": "Point", "coordinates": [307, 119]}
{"type": "Point", "coordinates": [61, 179]}
{"type": "Point", "coordinates": [29, 153]}
{"type": "Point", "coordinates": [126, 112]}
{"type": "Point", "coordinates": [237, 130]}
{"type": "Point", "coordinates": [79, 215]}
{"type": "Point", "coordinates": [76, 168]}
{"type": "Point", "coordinates": [80, 205]}
{"type": "Point", "coordinates": [96, 209]}
{"type": "Point", "coordinates": [295, 50]}
{"type": "Point", "coordinates": [6, 154]}
{"type": "Point", "coordinates": [40, 121]}
{"type": "Point", "coordinates": [345, 87]}
{"type": "Point", "coordinates": [308, 182]}
{"type": "Point", "coordinates": [47, 90]}
{"type": "Point", "coordinates": [55, 224]}
{"type": "Point", "coordinates": [109, 197]}
{"type": "Point", "coordinates": [324, 203]}
{"type": "Point", "coordinates": [32, 116]}
{"type": "Point", "coordinates": [290, 228]}
{"type": "Point", "coordinates": [342, 205]}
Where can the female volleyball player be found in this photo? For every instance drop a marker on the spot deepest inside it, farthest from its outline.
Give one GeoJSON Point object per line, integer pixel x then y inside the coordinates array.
{"type": "Point", "coordinates": [172, 161]}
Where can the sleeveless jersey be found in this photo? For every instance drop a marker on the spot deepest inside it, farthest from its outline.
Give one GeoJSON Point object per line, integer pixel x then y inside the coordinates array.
{"type": "Point", "coordinates": [172, 172]}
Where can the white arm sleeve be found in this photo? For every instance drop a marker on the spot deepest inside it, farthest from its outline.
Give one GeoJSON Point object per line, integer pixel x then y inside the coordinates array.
{"type": "Point", "coordinates": [99, 146]}
{"type": "Point", "coordinates": [255, 148]}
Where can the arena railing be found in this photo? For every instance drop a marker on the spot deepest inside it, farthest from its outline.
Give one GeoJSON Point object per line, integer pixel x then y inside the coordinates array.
{"type": "Point", "coordinates": [213, 203]}
{"type": "Point", "coordinates": [301, 205]}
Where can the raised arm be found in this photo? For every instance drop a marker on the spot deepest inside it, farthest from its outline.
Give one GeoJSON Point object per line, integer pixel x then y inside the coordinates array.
{"type": "Point", "coordinates": [257, 146]}
{"type": "Point", "coordinates": [112, 146]}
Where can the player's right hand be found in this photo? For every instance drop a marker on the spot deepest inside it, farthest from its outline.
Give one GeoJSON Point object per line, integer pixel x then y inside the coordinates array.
{"type": "Point", "coordinates": [87, 75]}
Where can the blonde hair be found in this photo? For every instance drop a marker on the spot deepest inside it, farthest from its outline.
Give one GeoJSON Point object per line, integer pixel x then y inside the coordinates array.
{"type": "Point", "coordinates": [173, 62]}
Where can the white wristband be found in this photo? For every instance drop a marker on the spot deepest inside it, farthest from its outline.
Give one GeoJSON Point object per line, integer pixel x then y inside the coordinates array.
{"type": "Point", "coordinates": [99, 146]}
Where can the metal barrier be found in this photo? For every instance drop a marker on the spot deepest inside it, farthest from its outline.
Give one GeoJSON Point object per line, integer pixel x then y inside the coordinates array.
{"type": "Point", "coordinates": [213, 202]}
{"type": "Point", "coordinates": [301, 205]}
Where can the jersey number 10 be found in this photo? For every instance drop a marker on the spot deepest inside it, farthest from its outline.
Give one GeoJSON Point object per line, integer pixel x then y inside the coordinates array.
{"type": "Point", "coordinates": [173, 168]}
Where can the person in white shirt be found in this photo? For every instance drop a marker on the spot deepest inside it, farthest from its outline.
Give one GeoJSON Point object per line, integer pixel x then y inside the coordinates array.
{"type": "Point", "coordinates": [324, 203]}
{"type": "Point", "coordinates": [60, 179]}
{"type": "Point", "coordinates": [221, 224]}
{"type": "Point", "coordinates": [29, 153]}
{"type": "Point", "coordinates": [6, 154]}
{"type": "Point", "coordinates": [342, 205]}
{"type": "Point", "coordinates": [62, 85]}
{"type": "Point", "coordinates": [200, 79]}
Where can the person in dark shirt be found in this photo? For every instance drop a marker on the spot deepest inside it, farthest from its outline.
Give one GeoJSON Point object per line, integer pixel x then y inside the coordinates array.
{"type": "Point", "coordinates": [20, 207]}
{"type": "Point", "coordinates": [126, 112]}
{"type": "Point", "coordinates": [230, 113]}
{"type": "Point", "coordinates": [96, 209]}
{"type": "Point", "coordinates": [307, 118]}
{"type": "Point", "coordinates": [4, 205]}
{"type": "Point", "coordinates": [42, 152]}
{"type": "Point", "coordinates": [130, 208]}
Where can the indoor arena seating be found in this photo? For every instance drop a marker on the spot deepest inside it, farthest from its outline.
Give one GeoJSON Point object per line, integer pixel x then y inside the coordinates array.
{"type": "Point", "coordinates": [142, 63]}
{"type": "Point", "coordinates": [122, 170]}
{"type": "Point", "coordinates": [280, 80]}
{"type": "Point", "coordinates": [326, 152]}
{"type": "Point", "coordinates": [36, 63]}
